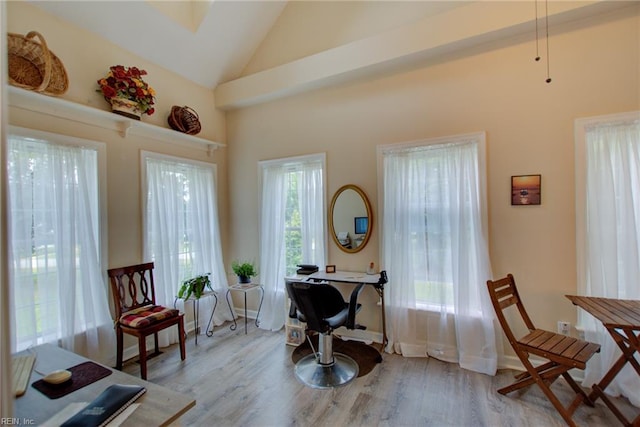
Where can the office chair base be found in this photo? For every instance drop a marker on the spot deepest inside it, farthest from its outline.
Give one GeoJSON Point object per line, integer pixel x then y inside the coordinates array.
{"type": "Point", "coordinates": [341, 372]}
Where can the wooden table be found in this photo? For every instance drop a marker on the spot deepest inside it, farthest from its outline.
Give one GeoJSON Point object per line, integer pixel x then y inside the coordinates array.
{"type": "Point", "coordinates": [159, 406]}
{"type": "Point", "coordinates": [621, 318]}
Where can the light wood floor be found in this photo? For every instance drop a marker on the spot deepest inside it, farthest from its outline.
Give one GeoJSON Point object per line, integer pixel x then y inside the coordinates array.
{"type": "Point", "coordinates": [248, 380]}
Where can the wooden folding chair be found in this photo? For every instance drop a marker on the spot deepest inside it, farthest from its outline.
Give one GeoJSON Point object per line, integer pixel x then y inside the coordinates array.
{"type": "Point", "coordinates": [560, 353]}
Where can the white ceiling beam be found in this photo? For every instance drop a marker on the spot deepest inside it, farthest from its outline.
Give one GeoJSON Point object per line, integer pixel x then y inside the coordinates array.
{"type": "Point", "coordinates": [459, 28]}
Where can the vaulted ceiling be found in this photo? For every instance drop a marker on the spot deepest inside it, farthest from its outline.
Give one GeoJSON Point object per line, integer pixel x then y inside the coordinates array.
{"type": "Point", "coordinates": [206, 41]}
{"type": "Point", "coordinates": [213, 42]}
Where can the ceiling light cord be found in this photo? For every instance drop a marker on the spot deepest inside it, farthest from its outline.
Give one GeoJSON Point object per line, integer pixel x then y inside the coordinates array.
{"type": "Point", "coordinates": [535, 3]}
{"type": "Point", "coordinates": [546, 24]}
{"type": "Point", "coordinates": [546, 12]}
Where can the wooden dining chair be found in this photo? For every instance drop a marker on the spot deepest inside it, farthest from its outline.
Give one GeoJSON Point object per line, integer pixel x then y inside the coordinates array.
{"type": "Point", "coordinates": [559, 353]}
{"type": "Point", "coordinates": [138, 314]}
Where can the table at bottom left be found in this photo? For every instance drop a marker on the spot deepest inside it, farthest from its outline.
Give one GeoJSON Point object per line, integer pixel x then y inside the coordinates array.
{"type": "Point", "coordinates": [159, 406]}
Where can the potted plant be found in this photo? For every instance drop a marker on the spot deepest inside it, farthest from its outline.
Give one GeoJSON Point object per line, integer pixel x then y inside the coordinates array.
{"type": "Point", "coordinates": [126, 91]}
{"type": "Point", "coordinates": [244, 271]}
{"type": "Point", "coordinates": [194, 286]}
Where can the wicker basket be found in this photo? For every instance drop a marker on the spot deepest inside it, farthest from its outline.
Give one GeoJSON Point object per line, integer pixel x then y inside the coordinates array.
{"type": "Point", "coordinates": [33, 66]}
{"type": "Point", "coordinates": [184, 119]}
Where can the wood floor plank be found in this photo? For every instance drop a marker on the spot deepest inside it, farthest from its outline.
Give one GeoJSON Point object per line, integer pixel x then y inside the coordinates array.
{"type": "Point", "coordinates": [248, 380]}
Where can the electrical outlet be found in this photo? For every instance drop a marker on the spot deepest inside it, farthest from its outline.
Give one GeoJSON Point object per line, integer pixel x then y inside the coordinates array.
{"type": "Point", "coordinates": [564, 328]}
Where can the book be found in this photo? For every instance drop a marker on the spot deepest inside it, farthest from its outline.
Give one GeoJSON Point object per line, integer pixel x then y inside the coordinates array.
{"type": "Point", "coordinates": [104, 408]}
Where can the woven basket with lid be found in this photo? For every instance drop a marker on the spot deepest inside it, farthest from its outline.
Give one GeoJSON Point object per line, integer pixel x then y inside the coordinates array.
{"type": "Point", "coordinates": [33, 66]}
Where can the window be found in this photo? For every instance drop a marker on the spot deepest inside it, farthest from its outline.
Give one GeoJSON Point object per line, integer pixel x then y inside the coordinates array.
{"type": "Point", "coordinates": [607, 229]}
{"type": "Point", "coordinates": [303, 202]}
{"type": "Point", "coordinates": [292, 223]}
{"type": "Point", "coordinates": [433, 210]}
{"type": "Point", "coordinates": [435, 251]}
{"type": "Point", "coordinates": [55, 242]}
{"type": "Point", "coordinates": [292, 227]}
{"type": "Point", "coordinates": [608, 171]}
{"type": "Point", "coordinates": [295, 211]}
{"type": "Point", "coordinates": [181, 222]}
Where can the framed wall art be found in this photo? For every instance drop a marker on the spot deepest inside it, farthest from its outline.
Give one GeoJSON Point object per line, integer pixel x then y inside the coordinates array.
{"type": "Point", "coordinates": [526, 190]}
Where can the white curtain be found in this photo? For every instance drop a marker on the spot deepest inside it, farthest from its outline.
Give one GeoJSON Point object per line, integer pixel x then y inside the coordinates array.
{"type": "Point", "coordinates": [436, 254]}
{"type": "Point", "coordinates": [207, 245]}
{"type": "Point", "coordinates": [275, 191]}
{"type": "Point", "coordinates": [612, 267]}
{"type": "Point", "coordinates": [182, 234]}
{"type": "Point", "coordinates": [312, 211]}
{"type": "Point", "coordinates": [56, 277]}
{"type": "Point", "coordinates": [272, 248]}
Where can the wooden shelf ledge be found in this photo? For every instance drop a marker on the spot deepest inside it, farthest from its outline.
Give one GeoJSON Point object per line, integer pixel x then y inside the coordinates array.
{"type": "Point", "coordinates": [62, 108]}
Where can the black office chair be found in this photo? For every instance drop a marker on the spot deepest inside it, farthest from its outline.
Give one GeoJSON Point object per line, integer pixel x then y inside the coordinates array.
{"type": "Point", "coordinates": [322, 307]}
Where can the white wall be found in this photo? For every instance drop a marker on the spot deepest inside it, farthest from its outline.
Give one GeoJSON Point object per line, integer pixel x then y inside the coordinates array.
{"type": "Point", "coordinates": [496, 88]}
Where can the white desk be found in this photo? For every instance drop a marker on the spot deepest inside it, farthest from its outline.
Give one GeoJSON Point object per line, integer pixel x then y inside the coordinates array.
{"type": "Point", "coordinates": [377, 280]}
{"type": "Point", "coordinates": [353, 277]}
{"type": "Point", "coordinates": [160, 406]}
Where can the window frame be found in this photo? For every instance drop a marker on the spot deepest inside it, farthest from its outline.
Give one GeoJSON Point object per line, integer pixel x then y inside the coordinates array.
{"type": "Point", "coordinates": [477, 137]}
{"type": "Point", "coordinates": [101, 176]}
{"type": "Point", "coordinates": [144, 189]}
{"type": "Point", "coordinates": [293, 162]}
{"type": "Point", "coordinates": [101, 150]}
{"type": "Point", "coordinates": [580, 152]}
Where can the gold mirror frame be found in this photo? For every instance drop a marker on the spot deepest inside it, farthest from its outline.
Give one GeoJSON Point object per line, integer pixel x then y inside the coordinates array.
{"type": "Point", "coordinates": [367, 204]}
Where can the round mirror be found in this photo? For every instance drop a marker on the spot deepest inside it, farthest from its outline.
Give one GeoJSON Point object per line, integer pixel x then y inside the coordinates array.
{"type": "Point", "coordinates": [350, 218]}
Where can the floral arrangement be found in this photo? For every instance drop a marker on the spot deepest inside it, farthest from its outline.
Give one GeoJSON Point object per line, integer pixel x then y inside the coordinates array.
{"type": "Point", "coordinates": [126, 82]}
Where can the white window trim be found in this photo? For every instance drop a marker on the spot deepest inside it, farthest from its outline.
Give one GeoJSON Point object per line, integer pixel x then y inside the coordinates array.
{"type": "Point", "coordinates": [101, 149]}
{"type": "Point", "coordinates": [144, 155]}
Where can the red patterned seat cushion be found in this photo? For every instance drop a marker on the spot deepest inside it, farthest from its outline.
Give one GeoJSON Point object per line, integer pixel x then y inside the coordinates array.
{"type": "Point", "coordinates": [144, 316]}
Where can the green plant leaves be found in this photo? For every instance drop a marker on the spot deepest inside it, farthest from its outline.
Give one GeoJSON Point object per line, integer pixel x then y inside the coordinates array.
{"type": "Point", "coordinates": [194, 286]}
{"type": "Point", "coordinates": [246, 269]}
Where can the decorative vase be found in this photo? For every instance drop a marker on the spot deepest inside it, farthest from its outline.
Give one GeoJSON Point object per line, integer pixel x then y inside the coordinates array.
{"type": "Point", "coordinates": [126, 107]}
